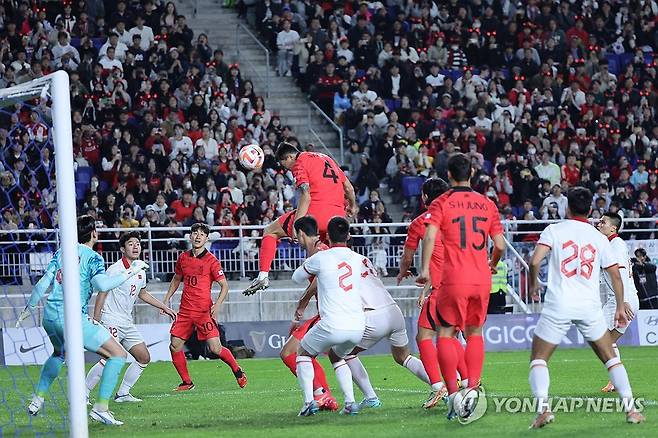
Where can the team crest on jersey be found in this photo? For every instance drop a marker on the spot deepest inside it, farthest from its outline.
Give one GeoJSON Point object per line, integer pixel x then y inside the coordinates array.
{"type": "Point", "coordinates": [428, 215]}
{"type": "Point", "coordinates": [221, 272]}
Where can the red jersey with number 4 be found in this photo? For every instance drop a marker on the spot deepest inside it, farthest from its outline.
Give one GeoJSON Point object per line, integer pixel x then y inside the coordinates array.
{"type": "Point", "coordinates": [415, 234]}
{"type": "Point", "coordinates": [324, 177]}
{"type": "Point", "coordinates": [198, 273]}
{"type": "Point", "coordinates": [466, 220]}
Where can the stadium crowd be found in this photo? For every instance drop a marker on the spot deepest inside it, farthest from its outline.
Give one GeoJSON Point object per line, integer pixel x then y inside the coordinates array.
{"type": "Point", "coordinates": [542, 95]}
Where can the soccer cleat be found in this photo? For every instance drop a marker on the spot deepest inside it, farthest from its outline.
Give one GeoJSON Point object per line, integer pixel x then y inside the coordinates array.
{"type": "Point", "coordinates": [126, 398]}
{"type": "Point", "coordinates": [450, 402]}
{"type": "Point", "coordinates": [257, 285]}
{"type": "Point", "coordinates": [542, 420]}
{"type": "Point", "coordinates": [241, 378]}
{"type": "Point", "coordinates": [370, 403]}
{"type": "Point", "coordinates": [350, 409]}
{"type": "Point", "coordinates": [105, 417]}
{"type": "Point", "coordinates": [309, 409]}
{"type": "Point", "coordinates": [35, 405]}
{"type": "Point", "coordinates": [435, 396]}
{"type": "Point", "coordinates": [608, 388]}
{"type": "Point", "coordinates": [634, 417]}
{"type": "Point", "coordinates": [184, 387]}
{"type": "Point", "coordinates": [326, 402]}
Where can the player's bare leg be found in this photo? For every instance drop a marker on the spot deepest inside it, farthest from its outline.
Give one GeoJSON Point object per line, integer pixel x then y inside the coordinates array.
{"type": "Point", "coordinates": [540, 380]}
{"type": "Point", "coordinates": [134, 371]}
{"type": "Point", "coordinates": [344, 377]}
{"type": "Point", "coordinates": [429, 358]}
{"type": "Point", "coordinates": [321, 390]}
{"type": "Point", "coordinates": [227, 357]}
{"type": "Point", "coordinates": [614, 336]}
{"type": "Point", "coordinates": [271, 235]}
{"type": "Point", "coordinates": [115, 357]}
{"type": "Point", "coordinates": [618, 376]}
{"type": "Point", "coordinates": [180, 363]}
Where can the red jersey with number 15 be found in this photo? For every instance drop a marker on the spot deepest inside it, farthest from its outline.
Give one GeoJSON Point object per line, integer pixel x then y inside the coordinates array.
{"type": "Point", "coordinates": [324, 177]}
{"type": "Point", "coordinates": [198, 273]}
{"type": "Point", "coordinates": [466, 219]}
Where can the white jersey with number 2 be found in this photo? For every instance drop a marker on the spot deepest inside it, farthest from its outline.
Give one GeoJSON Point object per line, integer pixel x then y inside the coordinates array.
{"type": "Point", "coordinates": [338, 272]}
{"type": "Point", "coordinates": [578, 252]}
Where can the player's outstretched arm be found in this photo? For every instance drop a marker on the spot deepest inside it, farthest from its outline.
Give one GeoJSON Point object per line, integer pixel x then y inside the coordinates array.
{"type": "Point", "coordinates": [428, 246]}
{"type": "Point", "coordinates": [618, 287]}
{"type": "Point", "coordinates": [38, 292]}
{"type": "Point", "coordinates": [304, 201]}
{"type": "Point", "coordinates": [350, 196]}
{"type": "Point", "coordinates": [103, 282]}
{"type": "Point", "coordinates": [541, 251]}
{"type": "Point", "coordinates": [173, 286]}
{"type": "Point", "coordinates": [145, 296]}
{"type": "Point", "coordinates": [499, 247]}
{"type": "Point", "coordinates": [309, 293]}
{"type": "Point", "coordinates": [405, 263]}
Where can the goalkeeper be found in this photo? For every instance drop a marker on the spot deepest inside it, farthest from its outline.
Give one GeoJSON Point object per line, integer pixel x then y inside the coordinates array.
{"type": "Point", "coordinates": [96, 338]}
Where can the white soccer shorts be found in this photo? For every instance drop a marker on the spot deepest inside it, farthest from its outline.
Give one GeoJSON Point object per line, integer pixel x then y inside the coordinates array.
{"type": "Point", "coordinates": [610, 307]}
{"type": "Point", "coordinates": [552, 329]}
{"type": "Point", "coordinates": [386, 322]}
{"type": "Point", "coordinates": [124, 333]}
{"type": "Point", "coordinates": [320, 339]}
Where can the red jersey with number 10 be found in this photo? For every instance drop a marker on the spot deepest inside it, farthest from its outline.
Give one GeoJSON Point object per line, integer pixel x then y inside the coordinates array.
{"type": "Point", "coordinates": [198, 273]}
{"type": "Point", "coordinates": [466, 219]}
{"type": "Point", "coordinates": [324, 177]}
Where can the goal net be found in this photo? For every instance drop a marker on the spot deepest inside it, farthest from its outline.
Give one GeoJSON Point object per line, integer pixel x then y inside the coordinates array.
{"type": "Point", "coordinates": [37, 195]}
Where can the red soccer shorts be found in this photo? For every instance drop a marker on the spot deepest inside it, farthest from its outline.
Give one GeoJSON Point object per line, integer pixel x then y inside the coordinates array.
{"type": "Point", "coordinates": [427, 318]}
{"type": "Point", "coordinates": [321, 214]}
{"type": "Point", "coordinates": [462, 305]}
{"type": "Point", "coordinates": [303, 328]}
{"type": "Point", "coordinates": [186, 323]}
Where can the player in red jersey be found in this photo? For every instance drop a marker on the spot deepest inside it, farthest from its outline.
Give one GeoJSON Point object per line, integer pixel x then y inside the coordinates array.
{"type": "Point", "coordinates": [324, 188]}
{"type": "Point", "coordinates": [198, 269]}
{"type": "Point", "coordinates": [307, 232]}
{"type": "Point", "coordinates": [427, 320]}
{"type": "Point", "coordinates": [466, 220]}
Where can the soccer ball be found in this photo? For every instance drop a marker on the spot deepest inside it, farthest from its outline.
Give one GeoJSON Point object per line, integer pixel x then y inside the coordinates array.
{"type": "Point", "coordinates": [252, 156]}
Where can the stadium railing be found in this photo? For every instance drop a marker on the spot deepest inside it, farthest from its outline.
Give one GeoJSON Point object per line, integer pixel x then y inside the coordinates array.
{"type": "Point", "coordinates": [313, 107]}
{"type": "Point", "coordinates": [255, 68]}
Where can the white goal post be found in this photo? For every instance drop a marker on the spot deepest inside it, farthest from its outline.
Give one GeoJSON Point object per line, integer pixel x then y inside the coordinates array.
{"type": "Point", "coordinates": [57, 86]}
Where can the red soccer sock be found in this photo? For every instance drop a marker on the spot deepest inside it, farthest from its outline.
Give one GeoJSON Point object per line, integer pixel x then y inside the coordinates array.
{"type": "Point", "coordinates": [267, 252]}
{"type": "Point", "coordinates": [180, 363]}
{"type": "Point", "coordinates": [291, 362]}
{"type": "Point", "coordinates": [430, 361]}
{"type": "Point", "coordinates": [228, 358]}
{"type": "Point", "coordinates": [474, 359]}
{"type": "Point", "coordinates": [448, 363]}
{"type": "Point", "coordinates": [461, 361]}
{"type": "Point", "coordinates": [319, 378]}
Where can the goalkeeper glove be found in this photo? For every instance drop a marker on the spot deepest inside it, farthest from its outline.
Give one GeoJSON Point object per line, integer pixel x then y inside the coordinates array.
{"type": "Point", "coordinates": [136, 267]}
{"type": "Point", "coordinates": [24, 314]}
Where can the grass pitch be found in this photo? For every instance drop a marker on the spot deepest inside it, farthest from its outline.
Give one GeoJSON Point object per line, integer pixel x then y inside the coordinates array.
{"type": "Point", "coordinates": [268, 406]}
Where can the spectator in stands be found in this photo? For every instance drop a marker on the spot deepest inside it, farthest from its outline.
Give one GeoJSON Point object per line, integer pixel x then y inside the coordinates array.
{"type": "Point", "coordinates": [285, 41]}
{"type": "Point", "coordinates": [644, 276]}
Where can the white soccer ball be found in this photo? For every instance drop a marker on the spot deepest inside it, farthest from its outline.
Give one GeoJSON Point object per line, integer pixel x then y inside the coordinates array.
{"type": "Point", "coordinates": [464, 402]}
{"type": "Point", "coordinates": [252, 156]}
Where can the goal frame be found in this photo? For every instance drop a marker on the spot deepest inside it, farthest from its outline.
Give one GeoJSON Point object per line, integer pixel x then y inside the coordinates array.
{"type": "Point", "coordinates": [57, 86]}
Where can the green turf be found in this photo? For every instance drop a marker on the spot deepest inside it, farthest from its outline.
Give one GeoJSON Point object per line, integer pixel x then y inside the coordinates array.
{"type": "Point", "coordinates": [269, 404]}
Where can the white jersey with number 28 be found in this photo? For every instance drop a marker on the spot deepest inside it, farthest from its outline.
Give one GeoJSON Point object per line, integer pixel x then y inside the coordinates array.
{"type": "Point", "coordinates": [578, 252]}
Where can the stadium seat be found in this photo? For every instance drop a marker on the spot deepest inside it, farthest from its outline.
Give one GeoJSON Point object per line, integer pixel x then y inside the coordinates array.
{"type": "Point", "coordinates": [412, 186]}
{"type": "Point", "coordinates": [80, 190]}
{"type": "Point", "coordinates": [84, 174]}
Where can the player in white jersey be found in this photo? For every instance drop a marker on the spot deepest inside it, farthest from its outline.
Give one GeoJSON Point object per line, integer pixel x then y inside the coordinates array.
{"type": "Point", "coordinates": [609, 226]}
{"type": "Point", "coordinates": [384, 319]}
{"type": "Point", "coordinates": [577, 254]}
{"type": "Point", "coordinates": [338, 274]}
{"type": "Point", "coordinates": [114, 310]}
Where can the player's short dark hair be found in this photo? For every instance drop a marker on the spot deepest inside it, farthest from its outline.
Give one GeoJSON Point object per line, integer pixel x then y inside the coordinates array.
{"type": "Point", "coordinates": [86, 226]}
{"type": "Point", "coordinates": [284, 150]}
{"type": "Point", "coordinates": [433, 188]}
{"type": "Point", "coordinates": [200, 226]}
{"type": "Point", "coordinates": [338, 229]}
{"type": "Point", "coordinates": [125, 237]}
{"type": "Point", "coordinates": [308, 225]}
{"type": "Point", "coordinates": [580, 201]}
{"type": "Point", "coordinates": [615, 218]}
{"type": "Point", "coordinates": [459, 166]}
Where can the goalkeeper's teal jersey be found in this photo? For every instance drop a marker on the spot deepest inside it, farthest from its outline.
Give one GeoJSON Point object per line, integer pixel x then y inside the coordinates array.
{"type": "Point", "coordinates": [91, 264]}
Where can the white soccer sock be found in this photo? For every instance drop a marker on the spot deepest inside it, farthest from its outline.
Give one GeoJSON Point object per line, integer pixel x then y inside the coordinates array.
{"type": "Point", "coordinates": [94, 375]}
{"type": "Point", "coordinates": [305, 376]}
{"type": "Point", "coordinates": [344, 377]}
{"type": "Point", "coordinates": [133, 372]}
{"type": "Point", "coordinates": [360, 376]}
{"type": "Point", "coordinates": [465, 383]}
{"type": "Point", "coordinates": [539, 382]}
{"type": "Point", "coordinates": [414, 365]}
{"type": "Point", "coordinates": [437, 386]}
{"type": "Point", "coordinates": [263, 275]}
{"type": "Point", "coordinates": [616, 350]}
{"type": "Point", "coordinates": [619, 378]}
